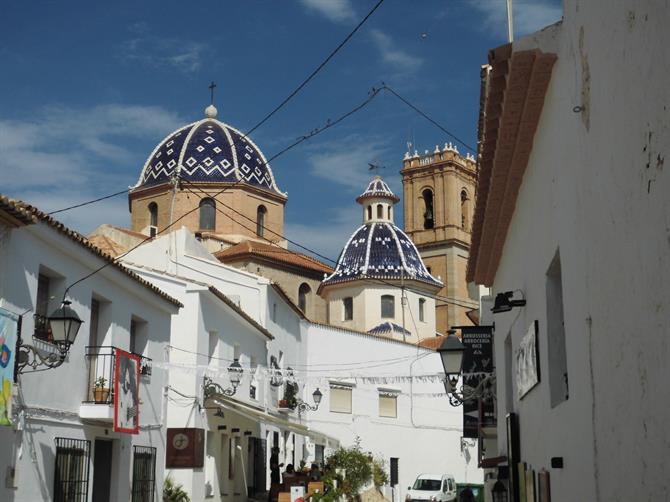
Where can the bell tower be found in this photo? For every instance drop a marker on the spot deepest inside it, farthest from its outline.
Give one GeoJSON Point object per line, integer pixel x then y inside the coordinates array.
{"type": "Point", "coordinates": [439, 194]}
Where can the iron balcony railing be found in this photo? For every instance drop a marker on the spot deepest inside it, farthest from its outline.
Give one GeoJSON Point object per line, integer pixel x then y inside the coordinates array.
{"type": "Point", "coordinates": [101, 362]}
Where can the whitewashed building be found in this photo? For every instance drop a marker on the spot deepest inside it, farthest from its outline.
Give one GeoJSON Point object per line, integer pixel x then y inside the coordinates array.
{"type": "Point", "coordinates": [572, 215]}
{"type": "Point", "coordinates": [62, 444]}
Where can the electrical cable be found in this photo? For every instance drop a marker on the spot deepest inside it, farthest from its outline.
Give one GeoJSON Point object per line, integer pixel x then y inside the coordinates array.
{"type": "Point", "coordinates": [428, 118]}
{"type": "Point", "coordinates": [437, 298]}
{"type": "Point", "coordinates": [89, 202]}
{"type": "Point", "coordinates": [318, 68]}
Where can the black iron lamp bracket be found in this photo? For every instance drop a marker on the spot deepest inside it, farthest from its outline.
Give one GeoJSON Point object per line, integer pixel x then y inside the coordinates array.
{"type": "Point", "coordinates": [211, 389]}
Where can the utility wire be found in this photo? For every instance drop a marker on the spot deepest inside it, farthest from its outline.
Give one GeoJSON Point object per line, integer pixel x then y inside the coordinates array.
{"type": "Point", "coordinates": [318, 68]}
{"type": "Point", "coordinates": [89, 202]}
{"type": "Point", "coordinates": [428, 118]}
{"type": "Point", "coordinates": [442, 299]}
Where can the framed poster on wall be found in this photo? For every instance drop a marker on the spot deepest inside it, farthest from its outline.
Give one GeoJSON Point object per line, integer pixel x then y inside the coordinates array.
{"type": "Point", "coordinates": [528, 362]}
{"type": "Point", "coordinates": [126, 392]}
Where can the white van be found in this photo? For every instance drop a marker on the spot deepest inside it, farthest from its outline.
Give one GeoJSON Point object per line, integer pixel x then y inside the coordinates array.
{"type": "Point", "coordinates": [433, 488]}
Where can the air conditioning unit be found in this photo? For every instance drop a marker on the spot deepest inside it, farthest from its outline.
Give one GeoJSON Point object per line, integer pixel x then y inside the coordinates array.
{"type": "Point", "coordinates": [153, 231]}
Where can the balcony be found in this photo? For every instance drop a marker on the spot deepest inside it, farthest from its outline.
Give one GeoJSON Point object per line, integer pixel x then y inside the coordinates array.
{"type": "Point", "coordinates": [101, 361]}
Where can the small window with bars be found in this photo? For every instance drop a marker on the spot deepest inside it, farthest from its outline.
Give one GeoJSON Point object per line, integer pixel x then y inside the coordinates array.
{"type": "Point", "coordinates": [72, 468]}
{"type": "Point", "coordinates": [144, 474]}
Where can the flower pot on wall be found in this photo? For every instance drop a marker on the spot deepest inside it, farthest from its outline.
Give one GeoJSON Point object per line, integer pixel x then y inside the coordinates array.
{"type": "Point", "coordinates": [283, 403]}
{"type": "Point", "coordinates": [100, 394]}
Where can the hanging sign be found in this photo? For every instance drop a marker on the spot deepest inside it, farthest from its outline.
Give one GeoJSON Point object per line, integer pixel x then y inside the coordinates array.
{"type": "Point", "coordinates": [126, 392]}
{"type": "Point", "coordinates": [185, 448]}
{"type": "Point", "coordinates": [477, 365]}
{"type": "Point", "coordinates": [9, 323]}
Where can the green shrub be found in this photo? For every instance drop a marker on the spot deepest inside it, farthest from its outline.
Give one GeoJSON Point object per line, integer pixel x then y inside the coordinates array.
{"type": "Point", "coordinates": [358, 467]}
{"type": "Point", "coordinates": [173, 492]}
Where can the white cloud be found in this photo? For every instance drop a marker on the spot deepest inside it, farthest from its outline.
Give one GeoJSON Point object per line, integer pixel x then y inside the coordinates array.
{"type": "Point", "coordinates": [62, 156]}
{"type": "Point", "coordinates": [335, 10]}
{"type": "Point", "coordinates": [399, 59]}
{"type": "Point", "coordinates": [329, 236]}
{"type": "Point", "coordinates": [529, 15]}
{"type": "Point", "coordinates": [345, 161]}
{"type": "Point", "coordinates": [157, 52]}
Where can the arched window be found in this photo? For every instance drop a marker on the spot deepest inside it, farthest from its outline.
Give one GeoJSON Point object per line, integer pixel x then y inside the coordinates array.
{"type": "Point", "coordinates": [303, 291]}
{"type": "Point", "coordinates": [153, 214]}
{"type": "Point", "coordinates": [207, 214]}
{"type": "Point", "coordinates": [389, 212]}
{"type": "Point", "coordinates": [428, 213]}
{"type": "Point", "coordinates": [465, 216]}
{"type": "Point", "coordinates": [388, 306]}
{"type": "Point", "coordinates": [260, 220]}
{"type": "Point", "coordinates": [369, 212]}
{"type": "Point", "coordinates": [380, 211]}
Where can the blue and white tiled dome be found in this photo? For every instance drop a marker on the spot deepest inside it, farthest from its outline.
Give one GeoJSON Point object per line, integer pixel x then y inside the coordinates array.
{"type": "Point", "coordinates": [208, 151]}
{"type": "Point", "coordinates": [380, 250]}
{"type": "Point", "coordinates": [377, 188]}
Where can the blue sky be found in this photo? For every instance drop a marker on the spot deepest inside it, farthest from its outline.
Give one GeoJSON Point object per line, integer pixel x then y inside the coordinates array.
{"type": "Point", "coordinates": [89, 89]}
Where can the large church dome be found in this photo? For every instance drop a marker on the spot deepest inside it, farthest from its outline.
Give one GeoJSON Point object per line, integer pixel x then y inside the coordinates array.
{"type": "Point", "coordinates": [208, 151]}
{"type": "Point", "coordinates": [378, 249]}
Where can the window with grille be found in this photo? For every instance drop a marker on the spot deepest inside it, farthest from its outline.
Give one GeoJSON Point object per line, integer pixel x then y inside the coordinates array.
{"type": "Point", "coordinates": [348, 304]}
{"type": "Point", "coordinates": [72, 467]}
{"type": "Point", "coordinates": [207, 214]}
{"type": "Point", "coordinates": [144, 474]}
{"type": "Point", "coordinates": [388, 404]}
{"type": "Point", "coordinates": [388, 306]}
{"type": "Point", "coordinates": [340, 399]}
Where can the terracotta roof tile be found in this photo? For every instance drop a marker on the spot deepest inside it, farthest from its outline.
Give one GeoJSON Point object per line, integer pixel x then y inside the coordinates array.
{"type": "Point", "coordinates": [248, 249]}
{"type": "Point", "coordinates": [431, 343]}
{"type": "Point", "coordinates": [31, 213]}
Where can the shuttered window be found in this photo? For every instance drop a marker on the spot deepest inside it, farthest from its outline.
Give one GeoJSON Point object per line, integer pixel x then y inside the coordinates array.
{"type": "Point", "coordinates": [388, 405]}
{"type": "Point", "coordinates": [340, 399]}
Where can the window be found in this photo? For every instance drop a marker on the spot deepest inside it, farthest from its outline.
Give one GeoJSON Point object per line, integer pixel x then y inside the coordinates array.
{"type": "Point", "coordinates": [428, 213]}
{"type": "Point", "coordinates": [422, 308]}
{"type": "Point", "coordinates": [72, 465]}
{"type": "Point", "coordinates": [380, 211]}
{"type": "Point", "coordinates": [207, 214]}
{"type": "Point", "coordinates": [388, 306]}
{"type": "Point", "coordinates": [303, 291]}
{"type": "Point", "coordinates": [558, 364]}
{"type": "Point", "coordinates": [348, 305]}
{"type": "Point", "coordinates": [394, 471]}
{"type": "Point", "coordinates": [319, 456]}
{"type": "Point", "coordinates": [389, 213]}
{"type": "Point", "coordinates": [340, 398]}
{"type": "Point", "coordinates": [388, 404]}
{"type": "Point", "coordinates": [153, 214]}
{"type": "Point", "coordinates": [95, 322]}
{"type": "Point", "coordinates": [260, 220]}
{"type": "Point", "coordinates": [369, 212]}
{"type": "Point", "coordinates": [42, 308]}
{"type": "Point", "coordinates": [144, 473]}
{"type": "Point", "coordinates": [465, 210]}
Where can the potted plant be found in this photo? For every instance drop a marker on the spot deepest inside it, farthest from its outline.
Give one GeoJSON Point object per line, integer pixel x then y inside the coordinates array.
{"type": "Point", "coordinates": [100, 392]}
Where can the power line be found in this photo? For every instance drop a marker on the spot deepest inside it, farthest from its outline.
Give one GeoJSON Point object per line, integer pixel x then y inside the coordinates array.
{"type": "Point", "coordinates": [442, 299]}
{"type": "Point", "coordinates": [89, 202]}
{"type": "Point", "coordinates": [428, 118]}
{"type": "Point", "coordinates": [318, 68]}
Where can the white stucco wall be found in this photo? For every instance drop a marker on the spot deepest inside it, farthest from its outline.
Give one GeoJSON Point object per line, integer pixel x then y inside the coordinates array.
{"type": "Point", "coordinates": [52, 399]}
{"type": "Point", "coordinates": [426, 434]}
{"type": "Point", "coordinates": [596, 188]}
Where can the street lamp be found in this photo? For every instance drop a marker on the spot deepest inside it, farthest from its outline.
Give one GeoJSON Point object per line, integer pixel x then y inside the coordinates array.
{"type": "Point", "coordinates": [504, 302]}
{"type": "Point", "coordinates": [303, 406]}
{"type": "Point", "coordinates": [451, 351]}
{"type": "Point", "coordinates": [235, 372]}
{"type": "Point", "coordinates": [64, 323]}
{"type": "Point", "coordinates": [499, 492]}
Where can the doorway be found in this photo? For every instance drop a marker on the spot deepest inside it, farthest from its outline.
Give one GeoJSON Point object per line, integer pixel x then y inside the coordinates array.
{"type": "Point", "coordinates": [102, 470]}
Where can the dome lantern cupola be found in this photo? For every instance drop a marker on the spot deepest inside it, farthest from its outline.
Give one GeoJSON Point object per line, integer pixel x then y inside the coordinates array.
{"type": "Point", "coordinates": [377, 201]}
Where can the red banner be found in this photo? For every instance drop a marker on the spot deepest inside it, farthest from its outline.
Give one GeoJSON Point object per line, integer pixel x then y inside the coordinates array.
{"type": "Point", "coordinates": [126, 392]}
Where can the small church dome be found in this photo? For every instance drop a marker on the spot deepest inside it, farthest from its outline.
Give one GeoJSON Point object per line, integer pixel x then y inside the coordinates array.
{"type": "Point", "coordinates": [208, 151]}
{"type": "Point", "coordinates": [379, 249]}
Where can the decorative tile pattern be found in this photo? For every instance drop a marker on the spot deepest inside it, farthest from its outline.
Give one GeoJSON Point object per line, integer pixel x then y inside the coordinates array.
{"type": "Point", "coordinates": [378, 188]}
{"type": "Point", "coordinates": [208, 151]}
{"type": "Point", "coordinates": [383, 251]}
{"type": "Point", "coordinates": [388, 327]}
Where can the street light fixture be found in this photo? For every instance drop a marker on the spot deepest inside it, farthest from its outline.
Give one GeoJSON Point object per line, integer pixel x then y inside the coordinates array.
{"type": "Point", "coordinates": [235, 372]}
{"type": "Point", "coordinates": [451, 351]}
{"type": "Point", "coordinates": [504, 302]}
{"type": "Point", "coordinates": [64, 323]}
{"type": "Point", "coordinates": [303, 406]}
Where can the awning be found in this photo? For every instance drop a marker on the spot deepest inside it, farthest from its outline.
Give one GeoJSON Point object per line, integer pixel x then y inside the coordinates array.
{"type": "Point", "coordinates": [254, 413]}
